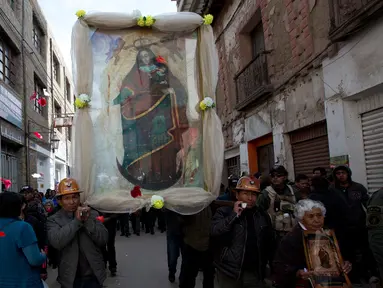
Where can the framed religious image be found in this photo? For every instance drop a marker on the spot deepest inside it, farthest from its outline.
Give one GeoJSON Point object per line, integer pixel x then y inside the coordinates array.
{"type": "Point", "coordinates": [324, 258]}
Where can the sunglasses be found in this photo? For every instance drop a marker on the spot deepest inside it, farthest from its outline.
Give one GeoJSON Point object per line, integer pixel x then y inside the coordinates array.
{"type": "Point", "coordinates": [277, 175]}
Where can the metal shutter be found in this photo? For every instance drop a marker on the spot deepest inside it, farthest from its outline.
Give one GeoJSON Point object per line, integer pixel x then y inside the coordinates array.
{"type": "Point", "coordinates": [310, 148]}
{"type": "Point", "coordinates": [372, 127]}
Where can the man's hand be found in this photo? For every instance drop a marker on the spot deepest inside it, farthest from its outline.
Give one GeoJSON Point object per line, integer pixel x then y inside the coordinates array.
{"type": "Point", "coordinates": [83, 213]}
{"type": "Point", "coordinates": [303, 274]}
{"type": "Point", "coordinates": [238, 208]}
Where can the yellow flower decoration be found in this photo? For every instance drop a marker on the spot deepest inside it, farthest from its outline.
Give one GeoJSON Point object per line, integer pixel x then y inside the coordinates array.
{"type": "Point", "coordinates": [157, 202]}
{"type": "Point", "coordinates": [208, 19]}
{"type": "Point", "coordinates": [141, 21]}
{"type": "Point", "coordinates": [80, 104]}
{"type": "Point", "coordinates": [149, 21]}
{"type": "Point", "coordinates": [80, 13]}
{"type": "Point", "coordinates": [202, 105]}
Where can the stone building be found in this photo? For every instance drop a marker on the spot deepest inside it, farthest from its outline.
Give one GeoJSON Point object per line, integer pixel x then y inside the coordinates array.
{"type": "Point", "coordinates": [26, 51]}
{"type": "Point", "coordinates": [270, 95]}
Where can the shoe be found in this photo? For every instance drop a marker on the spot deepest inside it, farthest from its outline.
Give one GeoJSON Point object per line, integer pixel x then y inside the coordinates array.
{"type": "Point", "coordinates": [122, 234]}
{"type": "Point", "coordinates": [138, 233]}
{"type": "Point", "coordinates": [172, 278]}
{"type": "Point", "coordinates": [127, 235]}
{"type": "Point", "coordinates": [152, 232]}
{"type": "Point", "coordinates": [113, 272]}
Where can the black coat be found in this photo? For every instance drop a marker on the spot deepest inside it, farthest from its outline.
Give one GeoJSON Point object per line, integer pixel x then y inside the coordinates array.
{"type": "Point", "coordinates": [229, 234]}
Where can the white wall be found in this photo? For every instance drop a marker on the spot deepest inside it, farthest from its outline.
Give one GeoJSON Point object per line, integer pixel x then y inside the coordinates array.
{"type": "Point", "coordinates": [353, 85]}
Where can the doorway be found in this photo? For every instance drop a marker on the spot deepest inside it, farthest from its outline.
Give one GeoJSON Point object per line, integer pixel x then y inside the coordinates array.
{"type": "Point", "coordinates": [265, 158]}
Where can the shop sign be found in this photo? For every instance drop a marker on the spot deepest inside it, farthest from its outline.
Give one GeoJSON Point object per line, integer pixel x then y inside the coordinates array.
{"type": "Point", "coordinates": [12, 134]}
{"type": "Point", "coordinates": [339, 160]}
{"type": "Point", "coordinates": [10, 107]}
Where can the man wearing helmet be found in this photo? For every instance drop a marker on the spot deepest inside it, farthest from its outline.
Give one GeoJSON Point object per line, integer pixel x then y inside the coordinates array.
{"type": "Point", "coordinates": [79, 237]}
{"type": "Point", "coordinates": [244, 238]}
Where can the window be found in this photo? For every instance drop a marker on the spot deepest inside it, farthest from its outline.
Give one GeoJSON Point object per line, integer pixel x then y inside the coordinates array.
{"type": "Point", "coordinates": [67, 88]}
{"type": "Point", "coordinates": [257, 40]}
{"type": "Point", "coordinates": [69, 133]}
{"type": "Point", "coordinates": [233, 166]}
{"type": "Point", "coordinates": [39, 89]}
{"type": "Point", "coordinates": [58, 114]}
{"type": "Point", "coordinates": [37, 36]}
{"type": "Point", "coordinates": [56, 69]}
{"type": "Point", "coordinates": [6, 64]}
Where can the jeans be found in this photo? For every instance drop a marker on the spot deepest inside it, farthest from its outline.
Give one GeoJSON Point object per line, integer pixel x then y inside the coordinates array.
{"type": "Point", "coordinates": [135, 218]}
{"type": "Point", "coordinates": [90, 282]}
{"type": "Point", "coordinates": [247, 280]}
{"type": "Point", "coordinates": [192, 261]}
{"type": "Point", "coordinates": [110, 252]}
{"type": "Point", "coordinates": [174, 246]}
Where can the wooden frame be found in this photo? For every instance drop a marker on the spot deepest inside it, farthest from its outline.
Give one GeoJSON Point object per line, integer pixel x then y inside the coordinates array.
{"type": "Point", "coordinates": [324, 258]}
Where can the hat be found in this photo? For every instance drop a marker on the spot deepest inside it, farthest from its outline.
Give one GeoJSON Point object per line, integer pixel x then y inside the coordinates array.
{"type": "Point", "coordinates": [279, 170]}
{"type": "Point", "coordinates": [27, 189]}
{"type": "Point", "coordinates": [248, 183]}
{"type": "Point", "coordinates": [68, 186]}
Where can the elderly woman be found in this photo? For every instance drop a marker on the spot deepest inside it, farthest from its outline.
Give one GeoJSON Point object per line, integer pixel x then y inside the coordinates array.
{"type": "Point", "coordinates": [290, 261]}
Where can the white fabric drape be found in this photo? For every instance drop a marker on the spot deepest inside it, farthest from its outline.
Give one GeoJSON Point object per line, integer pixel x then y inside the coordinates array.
{"type": "Point", "coordinates": [184, 200]}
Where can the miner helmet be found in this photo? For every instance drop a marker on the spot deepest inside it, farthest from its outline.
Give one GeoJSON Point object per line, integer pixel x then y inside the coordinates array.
{"type": "Point", "coordinates": [248, 183]}
{"type": "Point", "coordinates": [68, 186]}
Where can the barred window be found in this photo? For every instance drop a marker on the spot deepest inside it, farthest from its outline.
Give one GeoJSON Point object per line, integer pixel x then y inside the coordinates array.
{"type": "Point", "coordinates": [39, 89]}
{"type": "Point", "coordinates": [6, 64]}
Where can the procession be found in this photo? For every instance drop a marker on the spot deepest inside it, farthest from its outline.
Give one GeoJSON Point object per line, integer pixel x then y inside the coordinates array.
{"type": "Point", "coordinates": [155, 194]}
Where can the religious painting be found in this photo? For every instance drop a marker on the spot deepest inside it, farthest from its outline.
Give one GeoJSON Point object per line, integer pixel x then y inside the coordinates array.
{"type": "Point", "coordinates": [324, 258]}
{"type": "Point", "coordinates": [149, 128]}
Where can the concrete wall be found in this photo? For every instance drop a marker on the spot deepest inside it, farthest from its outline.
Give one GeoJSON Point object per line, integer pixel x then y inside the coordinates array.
{"type": "Point", "coordinates": [353, 80]}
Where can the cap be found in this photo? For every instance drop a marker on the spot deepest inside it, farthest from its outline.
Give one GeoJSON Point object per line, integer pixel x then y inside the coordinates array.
{"type": "Point", "coordinates": [68, 186]}
{"type": "Point", "coordinates": [248, 183]}
{"type": "Point", "coordinates": [279, 169]}
{"type": "Point", "coordinates": [27, 189]}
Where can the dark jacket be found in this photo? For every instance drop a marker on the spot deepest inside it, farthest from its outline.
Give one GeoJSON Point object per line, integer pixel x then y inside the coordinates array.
{"type": "Point", "coordinates": [39, 229]}
{"type": "Point", "coordinates": [353, 200]}
{"type": "Point", "coordinates": [173, 223]}
{"type": "Point", "coordinates": [290, 258]}
{"type": "Point", "coordinates": [229, 233]}
{"type": "Point", "coordinates": [196, 229]}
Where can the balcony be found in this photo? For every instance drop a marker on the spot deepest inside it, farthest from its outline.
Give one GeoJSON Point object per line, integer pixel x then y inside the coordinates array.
{"type": "Point", "coordinates": [349, 16]}
{"type": "Point", "coordinates": [252, 82]}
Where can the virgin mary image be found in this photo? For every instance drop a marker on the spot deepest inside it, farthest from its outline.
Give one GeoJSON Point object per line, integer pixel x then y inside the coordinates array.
{"type": "Point", "coordinates": [153, 117]}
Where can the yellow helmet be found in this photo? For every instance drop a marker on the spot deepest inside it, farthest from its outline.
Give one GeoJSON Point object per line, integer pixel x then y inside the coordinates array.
{"type": "Point", "coordinates": [68, 186]}
{"type": "Point", "coordinates": [248, 183]}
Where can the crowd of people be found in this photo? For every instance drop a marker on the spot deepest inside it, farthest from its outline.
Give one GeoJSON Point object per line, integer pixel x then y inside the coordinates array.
{"type": "Point", "coordinates": [250, 237]}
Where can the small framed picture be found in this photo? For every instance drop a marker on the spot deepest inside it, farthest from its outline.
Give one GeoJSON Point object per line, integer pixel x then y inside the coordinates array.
{"type": "Point", "coordinates": [324, 258]}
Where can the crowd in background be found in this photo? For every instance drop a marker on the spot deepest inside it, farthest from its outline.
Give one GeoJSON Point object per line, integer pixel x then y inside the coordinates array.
{"type": "Point", "coordinates": [250, 237]}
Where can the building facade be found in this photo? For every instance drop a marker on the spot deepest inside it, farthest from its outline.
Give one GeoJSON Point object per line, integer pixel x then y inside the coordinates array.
{"type": "Point", "coordinates": [27, 130]}
{"type": "Point", "coordinates": [270, 95]}
{"type": "Point", "coordinates": [298, 80]}
{"type": "Point", "coordinates": [353, 79]}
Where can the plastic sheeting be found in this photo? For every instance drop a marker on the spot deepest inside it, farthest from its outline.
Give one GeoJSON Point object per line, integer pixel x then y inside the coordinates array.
{"type": "Point", "coordinates": [143, 126]}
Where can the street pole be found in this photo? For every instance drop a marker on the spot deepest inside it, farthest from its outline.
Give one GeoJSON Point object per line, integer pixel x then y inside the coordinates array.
{"type": "Point", "coordinates": [53, 109]}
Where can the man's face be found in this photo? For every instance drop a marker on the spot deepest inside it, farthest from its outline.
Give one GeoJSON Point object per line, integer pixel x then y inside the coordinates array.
{"type": "Point", "coordinates": [317, 173]}
{"type": "Point", "coordinates": [70, 202]}
{"type": "Point", "coordinates": [303, 183]}
{"type": "Point", "coordinates": [342, 176]}
{"type": "Point", "coordinates": [278, 179]}
{"type": "Point", "coordinates": [29, 196]}
{"type": "Point", "coordinates": [313, 220]}
{"type": "Point", "coordinates": [248, 197]}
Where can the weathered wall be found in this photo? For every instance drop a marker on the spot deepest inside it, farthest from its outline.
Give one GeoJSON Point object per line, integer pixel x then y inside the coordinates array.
{"type": "Point", "coordinates": [295, 33]}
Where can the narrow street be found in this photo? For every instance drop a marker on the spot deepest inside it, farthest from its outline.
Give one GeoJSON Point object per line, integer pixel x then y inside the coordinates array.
{"type": "Point", "coordinates": [141, 263]}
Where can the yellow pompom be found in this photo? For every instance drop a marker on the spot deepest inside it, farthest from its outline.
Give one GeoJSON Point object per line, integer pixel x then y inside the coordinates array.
{"type": "Point", "coordinates": [208, 19]}
{"type": "Point", "coordinates": [141, 22]}
{"type": "Point", "coordinates": [79, 104]}
{"type": "Point", "coordinates": [157, 202]}
{"type": "Point", "coordinates": [149, 21]}
{"type": "Point", "coordinates": [202, 105]}
{"type": "Point", "coordinates": [80, 13]}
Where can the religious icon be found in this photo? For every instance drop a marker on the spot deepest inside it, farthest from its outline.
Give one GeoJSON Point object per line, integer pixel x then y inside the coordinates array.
{"type": "Point", "coordinates": [153, 119]}
{"type": "Point", "coordinates": [324, 258]}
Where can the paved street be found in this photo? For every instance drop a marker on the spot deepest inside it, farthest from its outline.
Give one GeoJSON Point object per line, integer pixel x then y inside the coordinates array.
{"type": "Point", "coordinates": [141, 263]}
